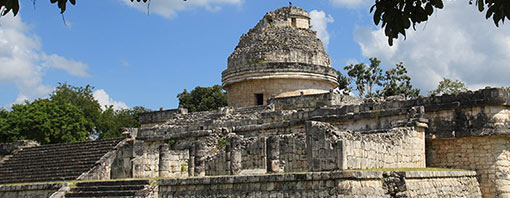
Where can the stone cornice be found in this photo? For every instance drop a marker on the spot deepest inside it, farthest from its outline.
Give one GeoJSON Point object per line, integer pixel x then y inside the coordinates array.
{"type": "Point", "coordinates": [278, 70]}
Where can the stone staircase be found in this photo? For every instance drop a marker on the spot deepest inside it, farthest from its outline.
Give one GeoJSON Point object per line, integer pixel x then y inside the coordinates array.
{"type": "Point", "coordinates": [54, 162]}
{"type": "Point", "coordinates": [125, 188]}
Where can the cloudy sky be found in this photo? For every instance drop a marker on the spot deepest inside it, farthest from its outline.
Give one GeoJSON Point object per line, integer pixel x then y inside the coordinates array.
{"type": "Point", "coordinates": [135, 56]}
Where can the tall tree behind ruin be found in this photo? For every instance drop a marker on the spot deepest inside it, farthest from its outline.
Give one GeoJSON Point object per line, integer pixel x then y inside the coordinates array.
{"type": "Point", "coordinates": [366, 79]}
{"type": "Point", "coordinates": [448, 86]}
{"type": "Point", "coordinates": [203, 98]}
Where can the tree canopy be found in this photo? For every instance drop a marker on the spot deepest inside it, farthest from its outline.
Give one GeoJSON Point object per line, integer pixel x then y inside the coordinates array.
{"type": "Point", "coordinates": [69, 114]}
{"type": "Point", "coordinates": [367, 78]}
{"type": "Point", "coordinates": [203, 98]}
{"type": "Point", "coordinates": [448, 86]}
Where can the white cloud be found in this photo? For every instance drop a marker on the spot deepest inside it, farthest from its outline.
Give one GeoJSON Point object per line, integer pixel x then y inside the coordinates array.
{"type": "Point", "coordinates": [351, 61]}
{"type": "Point", "coordinates": [319, 22]}
{"type": "Point", "coordinates": [170, 8]}
{"type": "Point", "coordinates": [72, 67]}
{"type": "Point", "coordinates": [104, 100]}
{"type": "Point", "coordinates": [21, 60]}
{"type": "Point", "coordinates": [457, 43]}
{"type": "Point", "coordinates": [351, 3]}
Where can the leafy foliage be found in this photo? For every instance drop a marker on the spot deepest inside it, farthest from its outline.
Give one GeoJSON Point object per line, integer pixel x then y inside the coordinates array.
{"type": "Point", "coordinates": [81, 98]}
{"type": "Point", "coordinates": [343, 82]}
{"type": "Point", "coordinates": [397, 82]}
{"type": "Point", "coordinates": [203, 98]}
{"type": "Point", "coordinates": [70, 114]}
{"type": "Point", "coordinates": [113, 121]}
{"type": "Point", "coordinates": [447, 86]}
{"type": "Point", "coordinates": [396, 16]}
{"type": "Point", "coordinates": [367, 78]}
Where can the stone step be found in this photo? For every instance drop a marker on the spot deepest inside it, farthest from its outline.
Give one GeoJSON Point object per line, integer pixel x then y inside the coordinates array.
{"type": "Point", "coordinates": [36, 172]}
{"type": "Point", "coordinates": [102, 193]}
{"type": "Point", "coordinates": [127, 188]}
{"type": "Point", "coordinates": [49, 165]}
{"type": "Point", "coordinates": [64, 146]}
{"type": "Point", "coordinates": [45, 153]}
{"type": "Point", "coordinates": [48, 174]}
{"type": "Point", "coordinates": [114, 183]}
{"type": "Point", "coordinates": [108, 188]}
{"type": "Point", "coordinates": [40, 179]}
{"type": "Point", "coordinates": [56, 159]}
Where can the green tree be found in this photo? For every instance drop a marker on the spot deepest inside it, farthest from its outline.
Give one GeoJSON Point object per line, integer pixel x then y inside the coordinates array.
{"type": "Point", "coordinates": [70, 114]}
{"type": "Point", "coordinates": [447, 86]}
{"type": "Point", "coordinates": [368, 78]}
{"type": "Point", "coordinates": [47, 121]}
{"type": "Point", "coordinates": [112, 121]}
{"type": "Point", "coordinates": [365, 77]}
{"type": "Point", "coordinates": [203, 98]}
{"type": "Point", "coordinates": [343, 82]}
{"type": "Point", "coordinates": [6, 135]}
{"type": "Point", "coordinates": [83, 99]}
{"type": "Point", "coordinates": [397, 82]}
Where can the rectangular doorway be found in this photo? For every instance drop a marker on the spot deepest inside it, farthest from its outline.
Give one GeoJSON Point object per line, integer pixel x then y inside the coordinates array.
{"type": "Point", "coordinates": [259, 99]}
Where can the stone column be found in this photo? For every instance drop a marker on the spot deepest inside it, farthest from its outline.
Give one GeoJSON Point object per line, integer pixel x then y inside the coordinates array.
{"type": "Point", "coordinates": [273, 154]}
{"type": "Point", "coordinates": [235, 155]}
{"type": "Point", "coordinates": [191, 161]}
{"type": "Point", "coordinates": [164, 161]}
{"type": "Point", "coordinates": [199, 159]}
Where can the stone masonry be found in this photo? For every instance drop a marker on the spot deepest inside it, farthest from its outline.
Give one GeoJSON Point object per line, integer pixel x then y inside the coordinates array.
{"type": "Point", "coordinates": [281, 56]}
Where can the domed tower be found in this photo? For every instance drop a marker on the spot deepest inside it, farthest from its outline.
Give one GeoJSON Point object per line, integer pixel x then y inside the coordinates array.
{"type": "Point", "coordinates": [280, 57]}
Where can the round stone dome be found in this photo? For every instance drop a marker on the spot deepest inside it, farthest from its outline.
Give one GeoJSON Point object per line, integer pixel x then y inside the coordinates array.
{"type": "Point", "coordinates": [283, 49]}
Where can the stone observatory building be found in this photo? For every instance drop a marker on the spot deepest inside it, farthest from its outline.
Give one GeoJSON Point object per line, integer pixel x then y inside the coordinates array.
{"type": "Point", "coordinates": [284, 134]}
{"type": "Point", "coordinates": [280, 57]}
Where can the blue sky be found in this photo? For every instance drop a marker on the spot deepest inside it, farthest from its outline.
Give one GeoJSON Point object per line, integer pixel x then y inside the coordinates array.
{"type": "Point", "coordinates": [136, 59]}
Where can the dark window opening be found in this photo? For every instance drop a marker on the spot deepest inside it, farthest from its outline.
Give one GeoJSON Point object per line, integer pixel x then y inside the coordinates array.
{"type": "Point", "coordinates": [259, 99]}
{"type": "Point", "coordinates": [293, 22]}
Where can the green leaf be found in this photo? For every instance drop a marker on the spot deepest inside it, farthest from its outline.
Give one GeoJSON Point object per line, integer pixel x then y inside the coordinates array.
{"type": "Point", "coordinates": [377, 16]}
{"type": "Point", "coordinates": [429, 9]}
{"type": "Point", "coordinates": [480, 5]}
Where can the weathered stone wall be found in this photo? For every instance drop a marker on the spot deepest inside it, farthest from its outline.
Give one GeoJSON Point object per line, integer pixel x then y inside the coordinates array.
{"type": "Point", "coordinates": [431, 184]}
{"type": "Point", "coordinates": [242, 94]}
{"type": "Point", "coordinates": [395, 148]}
{"type": "Point", "coordinates": [292, 152]}
{"type": "Point", "coordinates": [302, 101]}
{"type": "Point", "coordinates": [218, 164]}
{"type": "Point", "coordinates": [331, 149]}
{"type": "Point", "coordinates": [489, 156]}
{"type": "Point", "coordinates": [30, 190]}
{"type": "Point", "coordinates": [173, 163]}
{"type": "Point", "coordinates": [146, 160]}
{"type": "Point", "coordinates": [121, 167]}
{"type": "Point", "coordinates": [253, 153]}
{"type": "Point", "coordinates": [327, 184]}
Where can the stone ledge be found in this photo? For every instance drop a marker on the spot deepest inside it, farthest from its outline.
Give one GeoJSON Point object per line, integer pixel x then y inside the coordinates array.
{"type": "Point", "coordinates": [277, 70]}
{"type": "Point", "coordinates": [439, 174]}
{"type": "Point", "coordinates": [174, 135]}
{"type": "Point", "coordinates": [312, 176]}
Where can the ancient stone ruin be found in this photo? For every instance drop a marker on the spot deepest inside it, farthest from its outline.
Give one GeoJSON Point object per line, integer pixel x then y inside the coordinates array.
{"type": "Point", "coordinates": [285, 133]}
